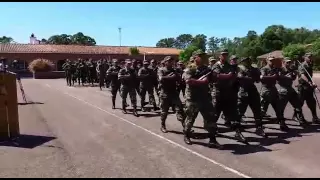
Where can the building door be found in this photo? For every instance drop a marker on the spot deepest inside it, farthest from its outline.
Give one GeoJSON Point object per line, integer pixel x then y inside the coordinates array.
{"type": "Point", "coordinates": [60, 64]}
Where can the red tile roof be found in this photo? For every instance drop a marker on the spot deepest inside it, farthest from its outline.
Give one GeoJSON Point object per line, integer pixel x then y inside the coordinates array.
{"type": "Point", "coordinates": [276, 54]}
{"type": "Point", "coordinates": [76, 49]}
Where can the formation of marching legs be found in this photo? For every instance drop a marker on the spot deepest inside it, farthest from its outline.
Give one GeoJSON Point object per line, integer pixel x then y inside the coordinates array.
{"type": "Point", "coordinates": [224, 87]}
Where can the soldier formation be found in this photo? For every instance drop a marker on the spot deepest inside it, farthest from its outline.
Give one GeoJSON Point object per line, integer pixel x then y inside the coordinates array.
{"type": "Point", "coordinates": [223, 86]}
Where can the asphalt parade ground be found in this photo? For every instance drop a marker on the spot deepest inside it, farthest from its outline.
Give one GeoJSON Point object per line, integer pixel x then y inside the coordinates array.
{"type": "Point", "coordinates": [74, 132]}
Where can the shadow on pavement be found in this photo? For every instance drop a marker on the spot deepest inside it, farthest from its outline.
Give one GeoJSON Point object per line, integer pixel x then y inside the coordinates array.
{"type": "Point", "coordinates": [30, 102]}
{"type": "Point", "coordinates": [27, 141]}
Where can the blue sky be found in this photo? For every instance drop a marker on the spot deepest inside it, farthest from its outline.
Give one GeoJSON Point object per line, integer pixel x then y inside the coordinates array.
{"type": "Point", "coordinates": [143, 24]}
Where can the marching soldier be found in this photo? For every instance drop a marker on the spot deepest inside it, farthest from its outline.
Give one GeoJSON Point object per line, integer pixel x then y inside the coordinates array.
{"type": "Point", "coordinates": [168, 78]}
{"type": "Point", "coordinates": [306, 86]}
{"type": "Point", "coordinates": [269, 92]}
{"type": "Point", "coordinates": [248, 93]}
{"type": "Point", "coordinates": [136, 70]}
{"type": "Point", "coordinates": [67, 69]}
{"type": "Point", "coordinates": [112, 74]}
{"type": "Point", "coordinates": [127, 78]}
{"type": "Point", "coordinates": [81, 68]}
{"type": "Point", "coordinates": [101, 69]}
{"type": "Point", "coordinates": [91, 69]}
{"type": "Point", "coordinates": [287, 93]}
{"type": "Point", "coordinates": [224, 97]}
{"type": "Point", "coordinates": [181, 86]}
{"type": "Point", "coordinates": [145, 75]}
{"type": "Point", "coordinates": [154, 77]}
{"type": "Point", "coordinates": [198, 98]}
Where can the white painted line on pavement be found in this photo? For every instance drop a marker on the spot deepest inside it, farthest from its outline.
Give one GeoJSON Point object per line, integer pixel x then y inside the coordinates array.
{"type": "Point", "coordinates": [157, 135]}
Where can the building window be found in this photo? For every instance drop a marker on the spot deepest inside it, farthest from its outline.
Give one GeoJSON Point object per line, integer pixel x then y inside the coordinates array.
{"type": "Point", "coordinates": [19, 64]}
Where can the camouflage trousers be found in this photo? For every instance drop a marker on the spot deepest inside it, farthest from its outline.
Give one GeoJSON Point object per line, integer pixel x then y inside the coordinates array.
{"type": "Point", "coordinates": [226, 102]}
{"type": "Point", "coordinates": [306, 94]}
{"type": "Point", "coordinates": [270, 96]}
{"type": "Point", "coordinates": [132, 94]}
{"type": "Point", "coordinates": [250, 98]}
{"type": "Point", "coordinates": [206, 109]}
{"type": "Point", "coordinates": [290, 95]}
{"type": "Point", "coordinates": [143, 91]}
{"type": "Point", "coordinates": [166, 102]}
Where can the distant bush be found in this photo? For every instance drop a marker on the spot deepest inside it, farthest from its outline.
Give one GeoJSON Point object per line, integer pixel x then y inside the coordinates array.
{"type": "Point", "coordinates": [40, 65]}
{"type": "Point", "coordinates": [134, 51]}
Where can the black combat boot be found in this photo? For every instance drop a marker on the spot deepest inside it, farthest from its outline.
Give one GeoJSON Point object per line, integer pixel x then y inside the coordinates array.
{"type": "Point", "coordinates": [186, 138]}
{"type": "Point", "coordinates": [213, 143]}
{"type": "Point", "coordinates": [124, 111]}
{"type": "Point", "coordinates": [264, 114]}
{"type": "Point", "coordinates": [283, 125]}
{"type": "Point", "coordinates": [315, 120]}
{"type": "Point", "coordinates": [135, 112]}
{"type": "Point", "coordinates": [239, 136]}
{"type": "Point", "coordinates": [260, 131]}
{"type": "Point", "coordinates": [300, 118]}
{"type": "Point", "coordinates": [163, 127]}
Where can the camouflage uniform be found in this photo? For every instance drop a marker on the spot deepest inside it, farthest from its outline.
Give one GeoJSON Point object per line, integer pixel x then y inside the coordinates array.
{"type": "Point", "coordinates": [81, 71]}
{"type": "Point", "coordinates": [168, 94]}
{"type": "Point", "coordinates": [248, 93]}
{"type": "Point", "coordinates": [306, 88]}
{"type": "Point", "coordinates": [101, 69]}
{"type": "Point", "coordinates": [112, 74]}
{"type": "Point", "coordinates": [224, 96]}
{"type": "Point", "coordinates": [91, 71]}
{"type": "Point", "coordinates": [154, 78]}
{"type": "Point", "coordinates": [127, 78]}
{"type": "Point", "coordinates": [145, 76]}
{"type": "Point", "coordinates": [269, 92]}
{"type": "Point", "coordinates": [287, 93]}
{"type": "Point", "coordinates": [135, 67]}
{"type": "Point", "coordinates": [67, 68]}
{"type": "Point", "coordinates": [198, 100]}
{"type": "Point", "coordinates": [181, 85]}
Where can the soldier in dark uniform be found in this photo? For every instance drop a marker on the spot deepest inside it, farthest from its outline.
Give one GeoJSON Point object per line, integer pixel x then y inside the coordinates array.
{"type": "Point", "coordinates": [181, 86]}
{"type": "Point", "coordinates": [224, 96]}
{"type": "Point", "coordinates": [136, 70]}
{"type": "Point", "coordinates": [145, 77]}
{"type": "Point", "coordinates": [127, 76]}
{"type": "Point", "coordinates": [168, 78]}
{"type": "Point", "coordinates": [73, 72]}
{"type": "Point", "coordinates": [248, 93]}
{"type": "Point", "coordinates": [154, 77]}
{"type": "Point", "coordinates": [306, 86]}
{"type": "Point", "coordinates": [67, 69]}
{"type": "Point", "coordinates": [81, 68]}
{"type": "Point", "coordinates": [269, 92]}
{"type": "Point", "coordinates": [287, 93]}
{"type": "Point", "coordinates": [91, 71]}
{"type": "Point", "coordinates": [198, 98]}
{"type": "Point", "coordinates": [112, 74]}
{"type": "Point", "coordinates": [101, 69]}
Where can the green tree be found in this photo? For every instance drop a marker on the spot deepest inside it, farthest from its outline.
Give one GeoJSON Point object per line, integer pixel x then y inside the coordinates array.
{"type": "Point", "coordinates": [5, 40]}
{"type": "Point", "coordinates": [187, 53]}
{"type": "Point", "coordinates": [294, 51]}
{"type": "Point", "coordinates": [134, 51]}
{"type": "Point", "coordinates": [200, 41]}
{"type": "Point", "coordinates": [166, 43]}
{"type": "Point", "coordinates": [183, 41]}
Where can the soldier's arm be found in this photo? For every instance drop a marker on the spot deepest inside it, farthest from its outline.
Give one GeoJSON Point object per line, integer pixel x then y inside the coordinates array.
{"type": "Point", "coordinates": [264, 75]}
{"type": "Point", "coordinates": [303, 74]}
{"type": "Point", "coordinates": [243, 77]}
{"type": "Point", "coordinates": [98, 68]}
{"type": "Point", "coordinates": [192, 81]}
{"type": "Point", "coordinates": [216, 70]}
{"type": "Point", "coordinates": [162, 77]}
{"type": "Point", "coordinates": [122, 74]}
